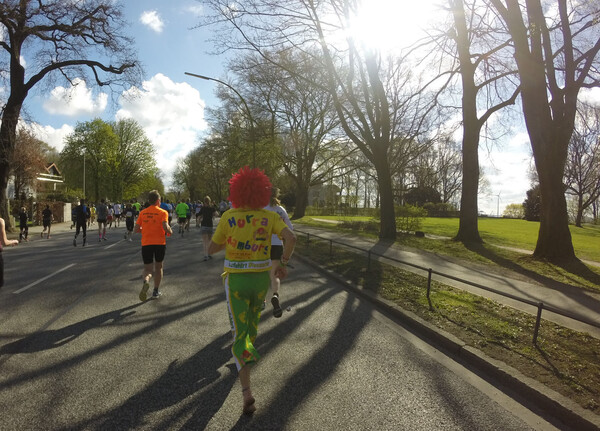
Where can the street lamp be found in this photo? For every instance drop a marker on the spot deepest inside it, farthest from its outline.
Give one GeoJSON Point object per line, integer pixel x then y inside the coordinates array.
{"type": "Point", "coordinates": [498, 206]}
{"type": "Point", "coordinates": [252, 136]}
{"type": "Point", "coordinates": [84, 172]}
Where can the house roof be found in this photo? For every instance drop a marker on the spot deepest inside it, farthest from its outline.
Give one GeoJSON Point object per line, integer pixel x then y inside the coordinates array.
{"type": "Point", "coordinates": [52, 169]}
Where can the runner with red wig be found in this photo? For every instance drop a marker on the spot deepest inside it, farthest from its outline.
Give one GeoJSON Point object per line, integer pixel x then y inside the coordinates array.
{"type": "Point", "coordinates": [245, 234]}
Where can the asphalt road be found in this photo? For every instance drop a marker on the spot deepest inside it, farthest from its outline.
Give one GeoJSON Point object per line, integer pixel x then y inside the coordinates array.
{"type": "Point", "coordinates": [78, 350]}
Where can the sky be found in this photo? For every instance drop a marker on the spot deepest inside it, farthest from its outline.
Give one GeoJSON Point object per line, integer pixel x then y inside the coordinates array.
{"type": "Point", "coordinates": [171, 105]}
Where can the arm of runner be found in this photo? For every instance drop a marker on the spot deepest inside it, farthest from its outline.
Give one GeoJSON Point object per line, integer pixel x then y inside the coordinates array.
{"type": "Point", "coordinates": [167, 228]}
{"type": "Point", "coordinates": [289, 243]}
{"type": "Point", "coordinates": [3, 238]}
{"type": "Point", "coordinates": [213, 247]}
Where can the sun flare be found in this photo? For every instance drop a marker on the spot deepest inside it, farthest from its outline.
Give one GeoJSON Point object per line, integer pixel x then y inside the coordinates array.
{"type": "Point", "coordinates": [389, 25]}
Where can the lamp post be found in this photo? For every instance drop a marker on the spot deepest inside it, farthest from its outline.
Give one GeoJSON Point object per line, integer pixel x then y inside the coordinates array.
{"type": "Point", "coordinates": [84, 173]}
{"type": "Point", "coordinates": [498, 206]}
{"type": "Point", "coordinates": [252, 136]}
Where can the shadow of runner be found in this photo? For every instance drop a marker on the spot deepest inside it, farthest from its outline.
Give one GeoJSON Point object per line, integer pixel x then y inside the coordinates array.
{"type": "Point", "coordinates": [195, 384]}
{"type": "Point", "coordinates": [317, 371]}
{"type": "Point", "coordinates": [51, 339]}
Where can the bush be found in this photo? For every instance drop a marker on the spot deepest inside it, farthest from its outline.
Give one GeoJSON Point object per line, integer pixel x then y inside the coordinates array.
{"type": "Point", "coordinates": [367, 226]}
{"type": "Point", "coordinates": [440, 210]}
{"type": "Point", "coordinates": [408, 217]}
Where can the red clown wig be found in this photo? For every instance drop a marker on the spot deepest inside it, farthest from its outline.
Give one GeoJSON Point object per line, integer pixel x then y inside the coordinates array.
{"type": "Point", "coordinates": [249, 188]}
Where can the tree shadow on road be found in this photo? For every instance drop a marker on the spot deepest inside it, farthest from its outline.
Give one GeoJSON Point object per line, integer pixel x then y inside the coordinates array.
{"type": "Point", "coordinates": [197, 377]}
{"type": "Point", "coordinates": [571, 290]}
{"type": "Point", "coordinates": [53, 338]}
{"type": "Point", "coordinates": [79, 328]}
{"type": "Point", "coordinates": [577, 268]}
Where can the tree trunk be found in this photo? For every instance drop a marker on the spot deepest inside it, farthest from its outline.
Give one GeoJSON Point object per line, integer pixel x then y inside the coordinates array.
{"type": "Point", "coordinates": [468, 230]}
{"type": "Point", "coordinates": [579, 217]}
{"type": "Point", "coordinates": [387, 227]}
{"type": "Point", "coordinates": [8, 133]}
{"type": "Point", "coordinates": [301, 202]}
{"type": "Point", "coordinates": [554, 239]}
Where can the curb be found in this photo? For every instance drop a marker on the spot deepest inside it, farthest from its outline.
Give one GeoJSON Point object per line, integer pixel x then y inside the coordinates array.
{"type": "Point", "coordinates": [551, 402]}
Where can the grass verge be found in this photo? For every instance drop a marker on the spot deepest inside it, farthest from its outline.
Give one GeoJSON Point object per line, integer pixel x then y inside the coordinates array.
{"type": "Point", "coordinates": [493, 255]}
{"type": "Point", "coordinates": [564, 360]}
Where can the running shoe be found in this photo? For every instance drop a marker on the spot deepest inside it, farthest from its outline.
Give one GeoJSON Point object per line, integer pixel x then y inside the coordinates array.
{"type": "Point", "coordinates": [156, 293]}
{"type": "Point", "coordinates": [144, 291]}
{"type": "Point", "coordinates": [277, 311]}
{"type": "Point", "coordinates": [74, 243]}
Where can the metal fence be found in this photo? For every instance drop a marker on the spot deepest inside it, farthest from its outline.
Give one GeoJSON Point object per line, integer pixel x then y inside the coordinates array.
{"type": "Point", "coordinates": [539, 305]}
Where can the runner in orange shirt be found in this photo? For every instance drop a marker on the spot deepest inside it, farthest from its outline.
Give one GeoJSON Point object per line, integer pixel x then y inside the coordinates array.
{"type": "Point", "coordinates": [153, 223]}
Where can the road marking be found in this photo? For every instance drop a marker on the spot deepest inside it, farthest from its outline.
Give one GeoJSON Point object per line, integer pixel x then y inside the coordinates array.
{"type": "Point", "coordinates": [23, 289]}
{"type": "Point", "coordinates": [112, 245]}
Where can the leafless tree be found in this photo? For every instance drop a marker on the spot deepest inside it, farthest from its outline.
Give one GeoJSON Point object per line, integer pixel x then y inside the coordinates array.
{"type": "Point", "coordinates": [582, 170]}
{"type": "Point", "coordinates": [304, 123]}
{"type": "Point", "coordinates": [355, 76]}
{"type": "Point", "coordinates": [61, 39]}
{"type": "Point", "coordinates": [488, 84]}
{"type": "Point", "coordinates": [556, 47]}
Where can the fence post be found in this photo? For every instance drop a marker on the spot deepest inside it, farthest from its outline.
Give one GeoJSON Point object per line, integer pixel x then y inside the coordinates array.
{"type": "Point", "coordinates": [429, 271]}
{"type": "Point", "coordinates": [537, 322]}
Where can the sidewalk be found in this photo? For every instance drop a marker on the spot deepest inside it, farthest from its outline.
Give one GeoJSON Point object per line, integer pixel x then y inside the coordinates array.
{"type": "Point", "coordinates": [579, 302]}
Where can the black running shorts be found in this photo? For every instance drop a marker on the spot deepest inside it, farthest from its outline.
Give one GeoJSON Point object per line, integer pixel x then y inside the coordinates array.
{"type": "Point", "coordinates": [153, 253]}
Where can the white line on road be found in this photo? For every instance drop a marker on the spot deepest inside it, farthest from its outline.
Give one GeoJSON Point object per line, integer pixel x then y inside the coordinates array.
{"type": "Point", "coordinates": [23, 289]}
{"type": "Point", "coordinates": [112, 245]}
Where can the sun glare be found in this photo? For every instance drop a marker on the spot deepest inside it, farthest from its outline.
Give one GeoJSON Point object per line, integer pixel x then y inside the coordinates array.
{"type": "Point", "coordinates": [389, 25]}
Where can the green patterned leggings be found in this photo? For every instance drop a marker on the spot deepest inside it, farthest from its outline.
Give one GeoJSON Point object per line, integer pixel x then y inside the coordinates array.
{"type": "Point", "coordinates": [245, 294]}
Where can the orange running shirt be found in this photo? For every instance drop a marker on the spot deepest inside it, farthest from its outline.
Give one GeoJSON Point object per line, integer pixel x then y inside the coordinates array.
{"type": "Point", "coordinates": [151, 221]}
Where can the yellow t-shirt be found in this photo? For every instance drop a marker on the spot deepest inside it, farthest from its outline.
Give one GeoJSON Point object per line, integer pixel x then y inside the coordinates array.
{"type": "Point", "coordinates": [247, 235]}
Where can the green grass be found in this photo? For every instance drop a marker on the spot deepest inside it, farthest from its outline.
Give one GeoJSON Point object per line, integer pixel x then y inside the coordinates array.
{"type": "Point", "coordinates": [519, 234]}
{"type": "Point", "coordinates": [562, 359]}
{"type": "Point", "coordinates": [498, 233]}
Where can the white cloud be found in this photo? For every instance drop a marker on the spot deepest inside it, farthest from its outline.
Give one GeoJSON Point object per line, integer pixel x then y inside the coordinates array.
{"type": "Point", "coordinates": [195, 9]}
{"type": "Point", "coordinates": [75, 100]}
{"type": "Point", "coordinates": [53, 137]}
{"type": "Point", "coordinates": [152, 19]}
{"type": "Point", "coordinates": [171, 114]}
